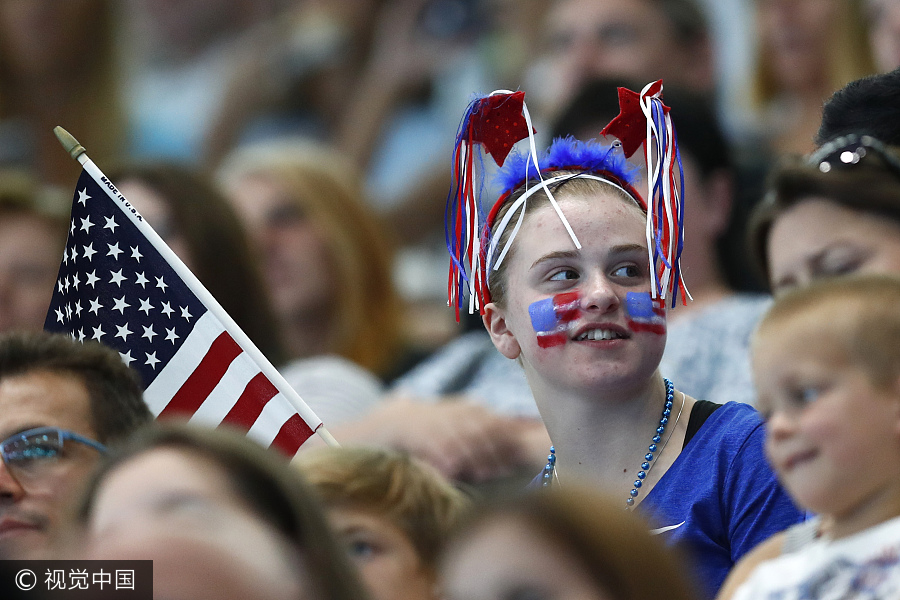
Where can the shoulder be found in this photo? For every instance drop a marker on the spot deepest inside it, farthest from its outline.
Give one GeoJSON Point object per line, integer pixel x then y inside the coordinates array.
{"type": "Point", "coordinates": [733, 424]}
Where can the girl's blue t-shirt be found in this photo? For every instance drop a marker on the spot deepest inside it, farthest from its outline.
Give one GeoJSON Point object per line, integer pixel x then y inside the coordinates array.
{"type": "Point", "coordinates": [720, 498]}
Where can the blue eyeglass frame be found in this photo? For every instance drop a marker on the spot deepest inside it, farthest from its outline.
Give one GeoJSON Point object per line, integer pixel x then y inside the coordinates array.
{"type": "Point", "coordinates": [64, 434]}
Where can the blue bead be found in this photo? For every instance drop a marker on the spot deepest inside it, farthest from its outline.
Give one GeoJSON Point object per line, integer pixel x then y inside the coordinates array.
{"type": "Point", "coordinates": [634, 493]}
{"type": "Point", "coordinates": [669, 405]}
{"type": "Point", "coordinates": [664, 420]}
{"type": "Point", "coordinates": [552, 449]}
{"type": "Point", "coordinates": [652, 448]}
{"type": "Point", "coordinates": [660, 429]}
{"type": "Point", "coordinates": [648, 457]}
{"type": "Point", "coordinates": [641, 474]}
{"type": "Point", "coordinates": [645, 465]}
{"type": "Point", "coordinates": [630, 502]}
{"type": "Point", "coordinates": [667, 412]}
{"type": "Point", "coordinates": [656, 439]}
{"type": "Point", "coordinates": [638, 483]}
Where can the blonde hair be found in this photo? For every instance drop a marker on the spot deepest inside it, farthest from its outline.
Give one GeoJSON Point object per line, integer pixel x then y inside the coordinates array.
{"type": "Point", "coordinates": [849, 56]}
{"type": "Point", "coordinates": [409, 493]}
{"type": "Point", "coordinates": [366, 321]}
{"type": "Point", "coordinates": [861, 311]}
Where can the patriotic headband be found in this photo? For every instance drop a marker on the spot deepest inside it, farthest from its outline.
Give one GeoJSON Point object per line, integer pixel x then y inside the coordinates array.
{"type": "Point", "coordinates": [500, 120]}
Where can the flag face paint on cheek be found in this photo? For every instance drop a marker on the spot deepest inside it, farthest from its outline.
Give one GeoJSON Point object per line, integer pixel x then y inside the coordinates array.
{"type": "Point", "coordinates": [643, 313]}
{"type": "Point", "coordinates": [552, 318]}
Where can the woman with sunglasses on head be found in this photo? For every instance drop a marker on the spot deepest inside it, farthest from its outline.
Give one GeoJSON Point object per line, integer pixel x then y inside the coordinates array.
{"type": "Point", "coordinates": [836, 212]}
{"type": "Point", "coordinates": [570, 286]}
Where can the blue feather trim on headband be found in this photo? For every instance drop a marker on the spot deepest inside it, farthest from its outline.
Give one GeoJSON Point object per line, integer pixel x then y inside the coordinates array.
{"type": "Point", "coordinates": [568, 153]}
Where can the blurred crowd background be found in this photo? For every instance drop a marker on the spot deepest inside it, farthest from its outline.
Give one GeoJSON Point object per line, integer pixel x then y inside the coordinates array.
{"type": "Point", "coordinates": [308, 140]}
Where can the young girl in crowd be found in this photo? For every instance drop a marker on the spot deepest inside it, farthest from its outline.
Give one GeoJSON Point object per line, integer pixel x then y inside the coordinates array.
{"type": "Point", "coordinates": [831, 395]}
{"type": "Point", "coordinates": [564, 282]}
{"type": "Point", "coordinates": [393, 513]}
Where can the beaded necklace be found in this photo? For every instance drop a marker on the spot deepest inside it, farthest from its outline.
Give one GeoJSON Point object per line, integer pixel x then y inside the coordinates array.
{"type": "Point", "coordinates": [549, 471]}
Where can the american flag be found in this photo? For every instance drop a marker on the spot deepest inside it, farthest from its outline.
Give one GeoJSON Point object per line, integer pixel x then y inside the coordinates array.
{"type": "Point", "coordinates": [119, 284]}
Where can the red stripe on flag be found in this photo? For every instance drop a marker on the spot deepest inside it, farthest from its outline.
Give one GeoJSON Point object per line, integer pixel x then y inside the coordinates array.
{"type": "Point", "coordinates": [204, 379]}
{"type": "Point", "coordinates": [248, 407]}
{"type": "Point", "coordinates": [293, 433]}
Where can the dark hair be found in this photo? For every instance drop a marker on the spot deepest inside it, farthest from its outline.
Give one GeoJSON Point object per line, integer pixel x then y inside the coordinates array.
{"type": "Point", "coordinates": [613, 546]}
{"type": "Point", "coordinates": [699, 131]}
{"type": "Point", "coordinates": [687, 18]}
{"type": "Point", "coordinates": [275, 493]}
{"type": "Point", "coordinates": [116, 400]}
{"type": "Point", "coordinates": [866, 187]}
{"type": "Point", "coordinates": [221, 254]}
{"type": "Point", "coordinates": [870, 106]}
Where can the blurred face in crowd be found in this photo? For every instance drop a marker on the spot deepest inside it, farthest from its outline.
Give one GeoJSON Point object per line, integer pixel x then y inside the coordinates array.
{"type": "Point", "coordinates": [37, 37]}
{"type": "Point", "coordinates": [33, 497]}
{"type": "Point", "coordinates": [386, 558]}
{"type": "Point", "coordinates": [30, 252]}
{"type": "Point", "coordinates": [512, 560]}
{"type": "Point", "coordinates": [154, 208]}
{"type": "Point", "coordinates": [181, 510]}
{"type": "Point", "coordinates": [818, 238]}
{"type": "Point", "coordinates": [296, 260]}
{"type": "Point", "coordinates": [826, 418]}
{"type": "Point", "coordinates": [796, 34]}
{"type": "Point", "coordinates": [884, 33]}
{"type": "Point", "coordinates": [587, 39]}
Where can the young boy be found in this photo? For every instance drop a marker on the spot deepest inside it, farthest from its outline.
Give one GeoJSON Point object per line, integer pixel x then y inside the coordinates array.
{"type": "Point", "coordinates": [392, 512]}
{"type": "Point", "coordinates": [826, 359]}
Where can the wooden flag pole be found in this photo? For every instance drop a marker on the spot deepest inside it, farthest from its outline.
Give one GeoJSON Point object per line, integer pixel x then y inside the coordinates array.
{"type": "Point", "coordinates": [77, 152]}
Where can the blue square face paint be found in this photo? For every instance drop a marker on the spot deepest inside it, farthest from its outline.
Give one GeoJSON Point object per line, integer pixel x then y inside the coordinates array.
{"type": "Point", "coordinates": [543, 315]}
{"type": "Point", "coordinates": [639, 305]}
{"type": "Point", "coordinates": [643, 313]}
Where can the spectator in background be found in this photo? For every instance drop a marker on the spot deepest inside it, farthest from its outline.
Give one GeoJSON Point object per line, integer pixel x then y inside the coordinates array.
{"type": "Point", "coordinates": [220, 517]}
{"type": "Point", "coordinates": [867, 106]}
{"type": "Point", "coordinates": [884, 33]}
{"type": "Point", "coordinates": [325, 255]}
{"type": "Point", "coordinates": [32, 235]}
{"type": "Point", "coordinates": [392, 512]}
{"type": "Point", "coordinates": [569, 543]}
{"type": "Point", "coordinates": [636, 39]}
{"type": "Point", "coordinates": [61, 401]}
{"type": "Point", "coordinates": [59, 65]}
{"type": "Point", "coordinates": [806, 50]}
{"type": "Point", "coordinates": [198, 223]}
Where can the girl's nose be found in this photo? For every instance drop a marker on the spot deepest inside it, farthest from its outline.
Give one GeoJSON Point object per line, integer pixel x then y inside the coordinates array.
{"type": "Point", "coordinates": [598, 294]}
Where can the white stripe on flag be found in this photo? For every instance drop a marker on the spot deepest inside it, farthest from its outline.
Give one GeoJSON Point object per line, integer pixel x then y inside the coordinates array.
{"type": "Point", "coordinates": [172, 377]}
{"type": "Point", "coordinates": [276, 413]}
{"type": "Point", "coordinates": [241, 370]}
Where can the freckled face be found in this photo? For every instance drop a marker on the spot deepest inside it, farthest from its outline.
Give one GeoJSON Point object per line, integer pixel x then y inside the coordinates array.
{"type": "Point", "coordinates": [601, 350]}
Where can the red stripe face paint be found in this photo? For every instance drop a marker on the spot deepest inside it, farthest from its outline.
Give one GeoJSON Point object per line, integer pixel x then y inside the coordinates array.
{"type": "Point", "coordinates": [643, 313]}
{"type": "Point", "coordinates": [552, 318]}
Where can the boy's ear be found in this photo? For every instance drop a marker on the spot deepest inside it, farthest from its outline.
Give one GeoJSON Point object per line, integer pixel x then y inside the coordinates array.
{"type": "Point", "coordinates": [503, 338]}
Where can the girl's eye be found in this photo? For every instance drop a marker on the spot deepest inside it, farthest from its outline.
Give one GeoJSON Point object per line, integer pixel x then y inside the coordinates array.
{"type": "Point", "coordinates": [564, 274]}
{"type": "Point", "coordinates": [627, 271]}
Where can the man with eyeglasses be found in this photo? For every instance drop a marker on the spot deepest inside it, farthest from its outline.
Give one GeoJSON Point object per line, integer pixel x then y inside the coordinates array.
{"type": "Point", "coordinates": [61, 402]}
